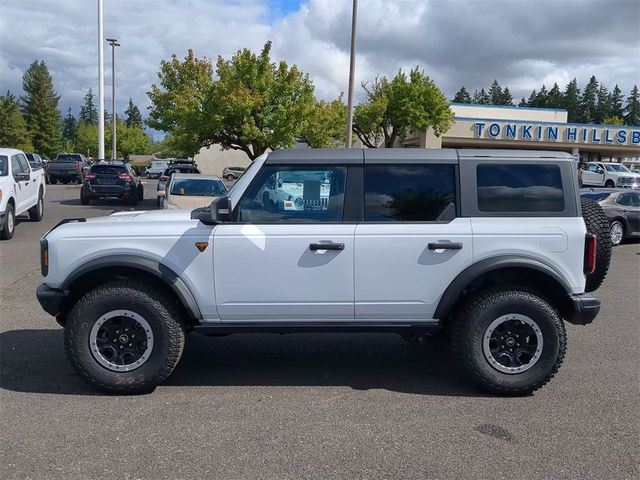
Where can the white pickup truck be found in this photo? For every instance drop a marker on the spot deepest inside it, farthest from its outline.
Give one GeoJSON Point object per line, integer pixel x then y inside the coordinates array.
{"type": "Point", "coordinates": [22, 190]}
{"type": "Point", "coordinates": [610, 175]}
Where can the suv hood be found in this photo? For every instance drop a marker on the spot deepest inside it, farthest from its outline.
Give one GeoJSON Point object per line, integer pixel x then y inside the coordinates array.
{"type": "Point", "coordinates": [144, 216]}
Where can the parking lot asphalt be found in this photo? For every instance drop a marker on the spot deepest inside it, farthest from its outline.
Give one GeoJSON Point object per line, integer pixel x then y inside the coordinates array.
{"type": "Point", "coordinates": [311, 406]}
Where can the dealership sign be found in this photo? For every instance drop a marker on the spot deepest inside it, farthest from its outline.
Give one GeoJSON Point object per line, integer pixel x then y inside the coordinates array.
{"type": "Point", "coordinates": [557, 133]}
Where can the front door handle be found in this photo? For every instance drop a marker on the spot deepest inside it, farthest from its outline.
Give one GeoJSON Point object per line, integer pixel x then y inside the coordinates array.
{"type": "Point", "coordinates": [444, 245]}
{"type": "Point", "coordinates": [326, 246]}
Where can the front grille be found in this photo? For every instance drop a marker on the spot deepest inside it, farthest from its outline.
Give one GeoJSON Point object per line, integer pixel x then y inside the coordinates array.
{"type": "Point", "coordinates": [625, 181]}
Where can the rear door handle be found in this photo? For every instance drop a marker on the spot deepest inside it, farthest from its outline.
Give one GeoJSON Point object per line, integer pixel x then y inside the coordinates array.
{"type": "Point", "coordinates": [326, 246]}
{"type": "Point", "coordinates": [445, 246]}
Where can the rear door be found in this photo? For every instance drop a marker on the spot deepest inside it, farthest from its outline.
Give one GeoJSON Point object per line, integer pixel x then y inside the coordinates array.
{"type": "Point", "coordinates": [411, 244]}
{"type": "Point", "coordinates": [289, 255]}
{"type": "Point", "coordinates": [21, 189]}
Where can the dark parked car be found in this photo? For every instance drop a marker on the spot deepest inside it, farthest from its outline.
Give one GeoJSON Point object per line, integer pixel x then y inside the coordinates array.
{"type": "Point", "coordinates": [111, 179]}
{"type": "Point", "coordinates": [622, 208]}
{"type": "Point", "coordinates": [67, 167]}
{"type": "Point", "coordinates": [171, 169]}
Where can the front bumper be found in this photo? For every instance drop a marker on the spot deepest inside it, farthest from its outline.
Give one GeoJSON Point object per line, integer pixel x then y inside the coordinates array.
{"type": "Point", "coordinates": [50, 299]}
{"type": "Point", "coordinates": [585, 309]}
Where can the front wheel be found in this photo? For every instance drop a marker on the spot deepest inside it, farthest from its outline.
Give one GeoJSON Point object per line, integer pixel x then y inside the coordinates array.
{"type": "Point", "coordinates": [9, 224]}
{"type": "Point", "coordinates": [509, 340]}
{"type": "Point", "coordinates": [124, 337]}
{"type": "Point", "coordinates": [617, 233]}
{"type": "Point", "coordinates": [609, 184]}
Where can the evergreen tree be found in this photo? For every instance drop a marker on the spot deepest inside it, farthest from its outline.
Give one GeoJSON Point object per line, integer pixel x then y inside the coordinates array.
{"type": "Point", "coordinates": [495, 93]}
{"type": "Point", "coordinates": [603, 105]}
{"type": "Point", "coordinates": [13, 128]}
{"type": "Point", "coordinates": [69, 126]}
{"type": "Point", "coordinates": [88, 111]}
{"type": "Point", "coordinates": [588, 101]}
{"type": "Point", "coordinates": [484, 98]}
{"type": "Point", "coordinates": [542, 98]}
{"type": "Point", "coordinates": [615, 102]}
{"type": "Point", "coordinates": [555, 98]}
{"type": "Point", "coordinates": [133, 115]}
{"type": "Point", "coordinates": [632, 109]}
{"type": "Point", "coordinates": [571, 101]}
{"type": "Point", "coordinates": [462, 96]}
{"type": "Point", "coordinates": [523, 102]}
{"type": "Point", "coordinates": [532, 101]}
{"type": "Point", "coordinates": [40, 108]}
{"type": "Point", "coordinates": [507, 99]}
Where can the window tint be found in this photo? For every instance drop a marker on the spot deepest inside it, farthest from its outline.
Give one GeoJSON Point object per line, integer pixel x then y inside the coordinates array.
{"type": "Point", "coordinates": [411, 193]}
{"type": "Point", "coordinates": [631, 199]}
{"type": "Point", "coordinates": [108, 169]}
{"type": "Point", "coordinates": [24, 164]}
{"type": "Point", "coordinates": [198, 187]}
{"type": "Point", "coordinates": [4, 167]}
{"type": "Point", "coordinates": [294, 194]}
{"type": "Point", "coordinates": [520, 188]}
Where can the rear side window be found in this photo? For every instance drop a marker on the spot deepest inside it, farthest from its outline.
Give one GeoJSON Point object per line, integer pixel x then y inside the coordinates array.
{"type": "Point", "coordinates": [519, 188]}
{"type": "Point", "coordinates": [409, 193]}
{"type": "Point", "coordinates": [108, 169]}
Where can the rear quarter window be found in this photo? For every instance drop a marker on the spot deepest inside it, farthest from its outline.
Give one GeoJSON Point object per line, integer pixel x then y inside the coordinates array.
{"type": "Point", "coordinates": [519, 188]}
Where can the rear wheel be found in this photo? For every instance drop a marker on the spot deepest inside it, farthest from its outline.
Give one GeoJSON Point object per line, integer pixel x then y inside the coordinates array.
{"type": "Point", "coordinates": [9, 224]}
{"type": "Point", "coordinates": [597, 224]}
{"type": "Point", "coordinates": [141, 193]}
{"type": "Point", "coordinates": [509, 340]}
{"type": "Point", "coordinates": [230, 178]}
{"type": "Point", "coordinates": [617, 233]}
{"type": "Point", "coordinates": [124, 337]}
{"type": "Point", "coordinates": [37, 211]}
{"type": "Point", "coordinates": [85, 199]}
{"type": "Point", "coordinates": [53, 180]}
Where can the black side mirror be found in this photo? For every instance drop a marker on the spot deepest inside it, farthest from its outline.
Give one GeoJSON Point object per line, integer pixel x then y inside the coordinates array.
{"type": "Point", "coordinates": [21, 177]}
{"type": "Point", "coordinates": [218, 212]}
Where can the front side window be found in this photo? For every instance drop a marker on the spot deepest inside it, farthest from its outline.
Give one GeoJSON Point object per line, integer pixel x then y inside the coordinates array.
{"type": "Point", "coordinates": [294, 194]}
{"type": "Point", "coordinates": [205, 187]}
{"type": "Point", "coordinates": [409, 193]}
{"type": "Point", "coordinates": [519, 188]}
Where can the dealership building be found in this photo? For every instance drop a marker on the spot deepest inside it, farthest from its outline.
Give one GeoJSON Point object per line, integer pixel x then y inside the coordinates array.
{"type": "Point", "coordinates": [490, 126]}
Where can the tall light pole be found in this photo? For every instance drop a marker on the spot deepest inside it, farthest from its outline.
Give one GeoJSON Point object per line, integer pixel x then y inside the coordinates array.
{"type": "Point", "coordinates": [100, 80]}
{"type": "Point", "coordinates": [352, 71]}
{"type": "Point", "coordinates": [114, 43]}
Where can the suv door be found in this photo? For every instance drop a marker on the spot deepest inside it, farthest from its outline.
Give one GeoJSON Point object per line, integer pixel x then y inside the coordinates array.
{"type": "Point", "coordinates": [288, 255]}
{"type": "Point", "coordinates": [411, 245]}
{"type": "Point", "coordinates": [593, 175]}
{"type": "Point", "coordinates": [22, 190]}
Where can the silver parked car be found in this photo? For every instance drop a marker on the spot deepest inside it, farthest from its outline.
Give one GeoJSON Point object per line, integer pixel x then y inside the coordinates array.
{"type": "Point", "coordinates": [622, 208]}
{"type": "Point", "coordinates": [232, 173]}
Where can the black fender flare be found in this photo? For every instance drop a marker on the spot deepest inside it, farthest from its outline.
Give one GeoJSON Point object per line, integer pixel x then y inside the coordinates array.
{"type": "Point", "coordinates": [148, 265]}
{"type": "Point", "coordinates": [472, 272]}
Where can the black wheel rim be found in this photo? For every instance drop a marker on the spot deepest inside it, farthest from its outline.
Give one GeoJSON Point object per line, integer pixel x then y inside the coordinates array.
{"type": "Point", "coordinates": [512, 343]}
{"type": "Point", "coordinates": [121, 340]}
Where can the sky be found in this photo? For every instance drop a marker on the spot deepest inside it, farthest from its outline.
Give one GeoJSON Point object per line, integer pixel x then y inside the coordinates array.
{"type": "Point", "coordinates": [521, 43]}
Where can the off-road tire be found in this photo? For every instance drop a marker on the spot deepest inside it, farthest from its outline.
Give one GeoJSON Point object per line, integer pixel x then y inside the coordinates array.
{"type": "Point", "coordinates": [597, 223]}
{"type": "Point", "coordinates": [84, 198]}
{"type": "Point", "coordinates": [37, 211]}
{"type": "Point", "coordinates": [8, 227]}
{"type": "Point", "coordinates": [158, 308]}
{"type": "Point", "coordinates": [470, 325]}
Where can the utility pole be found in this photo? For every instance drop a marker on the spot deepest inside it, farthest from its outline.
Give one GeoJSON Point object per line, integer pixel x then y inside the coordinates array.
{"type": "Point", "coordinates": [352, 70]}
{"type": "Point", "coordinates": [100, 80]}
{"type": "Point", "coordinates": [114, 43]}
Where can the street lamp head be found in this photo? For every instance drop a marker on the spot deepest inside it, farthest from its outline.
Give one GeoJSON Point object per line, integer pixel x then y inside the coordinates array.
{"type": "Point", "coordinates": [113, 42]}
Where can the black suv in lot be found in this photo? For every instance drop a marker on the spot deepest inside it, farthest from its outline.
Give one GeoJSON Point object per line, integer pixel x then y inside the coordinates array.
{"type": "Point", "coordinates": [111, 179]}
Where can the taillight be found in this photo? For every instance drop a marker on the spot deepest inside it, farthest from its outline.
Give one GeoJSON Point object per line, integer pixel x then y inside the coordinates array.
{"type": "Point", "coordinates": [590, 248]}
{"type": "Point", "coordinates": [163, 179]}
{"type": "Point", "coordinates": [78, 167]}
{"type": "Point", "coordinates": [126, 177]}
{"type": "Point", "coordinates": [89, 176]}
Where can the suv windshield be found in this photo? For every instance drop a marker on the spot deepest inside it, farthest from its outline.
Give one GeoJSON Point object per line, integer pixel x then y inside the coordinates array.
{"type": "Point", "coordinates": [616, 167]}
{"type": "Point", "coordinates": [198, 187]}
{"type": "Point", "coordinates": [4, 170]}
{"type": "Point", "coordinates": [108, 169]}
{"type": "Point", "coordinates": [63, 157]}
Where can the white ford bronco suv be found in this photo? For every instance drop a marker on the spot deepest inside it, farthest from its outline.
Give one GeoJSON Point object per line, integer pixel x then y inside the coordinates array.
{"type": "Point", "coordinates": [490, 248]}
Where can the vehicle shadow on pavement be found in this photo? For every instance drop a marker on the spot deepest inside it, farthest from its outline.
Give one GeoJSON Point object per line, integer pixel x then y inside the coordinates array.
{"type": "Point", "coordinates": [34, 361]}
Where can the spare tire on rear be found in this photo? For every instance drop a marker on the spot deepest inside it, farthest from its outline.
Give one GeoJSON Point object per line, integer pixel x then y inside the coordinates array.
{"type": "Point", "coordinates": [598, 224]}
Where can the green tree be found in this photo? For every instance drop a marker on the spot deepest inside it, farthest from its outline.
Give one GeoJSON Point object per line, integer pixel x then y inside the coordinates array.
{"type": "Point", "coordinates": [632, 109]}
{"type": "Point", "coordinates": [88, 111]}
{"type": "Point", "coordinates": [507, 98]}
{"type": "Point", "coordinates": [254, 105]}
{"type": "Point", "coordinates": [393, 108]}
{"type": "Point", "coordinates": [571, 101]}
{"type": "Point", "coordinates": [69, 126]}
{"type": "Point", "coordinates": [613, 120]}
{"type": "Point", "coordinates": [40, 109]}
{"type": "Point", "coordinates": [555, 99]}
{"type": "Point", "coordinates": [603, 104]}
{"type": "Point", "coordinates": [133, 115]}
{"type": "Point", "coordinates": [462, 96]}
{"type": "Point", "coordinates": [87, 139]}
{"type": "Point", "coordinates": [481, 97]}
{"type": "Point", "coordinates": [13, 128]}
{"type": "Point", "coordinates": [532, 101]}
{"type": "Point", "coordinates": [325, 124]}
{"type": "Point", "coordinates": [131, 140]}
{"type": "Point", "coordinates": [523, 102]}
{"type": "Point", "coordinates": [542, 98]}
{"type": "Point", "coordinates": [615, 101]}
{"type": "Point", "coordinates": [495, 93]}
{"type": "Point", "coordinates": [588, 101]}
